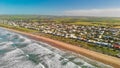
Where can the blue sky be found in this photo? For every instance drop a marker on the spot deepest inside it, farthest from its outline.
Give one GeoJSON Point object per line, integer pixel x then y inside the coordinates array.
{"type": "Point", "coordinates": [60, 7]}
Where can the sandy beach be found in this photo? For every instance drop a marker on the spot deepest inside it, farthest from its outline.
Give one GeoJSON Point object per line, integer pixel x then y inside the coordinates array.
{"type": "Point", "coordinates": [113, 61]}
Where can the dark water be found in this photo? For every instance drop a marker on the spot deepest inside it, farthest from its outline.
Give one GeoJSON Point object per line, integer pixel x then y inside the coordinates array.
{"type": "Point", "coordinates": [17, 51]}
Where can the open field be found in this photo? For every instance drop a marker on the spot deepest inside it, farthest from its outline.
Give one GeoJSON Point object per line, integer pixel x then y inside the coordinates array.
{"type": "Point", "coordinates": [97, 24]}
{"type": "Point", "coordinates": [117, 27]}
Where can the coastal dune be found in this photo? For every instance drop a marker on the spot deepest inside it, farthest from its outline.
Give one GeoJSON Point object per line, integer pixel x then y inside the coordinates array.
{"type": "Point", "coordinates": [113, 61]}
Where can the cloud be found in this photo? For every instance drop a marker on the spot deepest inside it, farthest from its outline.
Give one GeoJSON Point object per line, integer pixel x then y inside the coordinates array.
{"type": "Point", "coordinates": [94, 12]}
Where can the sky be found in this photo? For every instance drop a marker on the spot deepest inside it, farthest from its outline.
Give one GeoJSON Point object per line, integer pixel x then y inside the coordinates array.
{"type": "Point", "coordinates": [109, 8]}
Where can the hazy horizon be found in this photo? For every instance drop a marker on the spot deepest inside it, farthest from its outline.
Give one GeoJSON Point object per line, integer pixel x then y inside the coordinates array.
{"type": "Point", "coordinates": [97, 8]}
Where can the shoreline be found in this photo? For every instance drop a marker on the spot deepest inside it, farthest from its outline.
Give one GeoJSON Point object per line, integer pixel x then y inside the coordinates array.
{"type": "Point", "coordinates": [112, 61]}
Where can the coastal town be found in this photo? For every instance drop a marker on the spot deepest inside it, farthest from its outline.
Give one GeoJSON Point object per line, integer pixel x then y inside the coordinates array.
{"type": "Point", "coordinates": [60, 34]}
{"type": "Point", "coordinates": [99, 35]}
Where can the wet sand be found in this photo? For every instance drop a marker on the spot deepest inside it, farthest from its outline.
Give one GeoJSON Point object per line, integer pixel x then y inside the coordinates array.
{"type": "Point", "coordinates": [113, 61]}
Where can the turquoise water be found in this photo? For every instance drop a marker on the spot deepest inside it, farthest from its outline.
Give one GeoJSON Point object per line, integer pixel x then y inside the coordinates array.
{"type": "Point", "coordinates": [18, 51]}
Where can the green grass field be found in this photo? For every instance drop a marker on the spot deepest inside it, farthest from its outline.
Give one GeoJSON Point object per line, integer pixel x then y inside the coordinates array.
{"type": "Point", "coordinates": [112, 25]}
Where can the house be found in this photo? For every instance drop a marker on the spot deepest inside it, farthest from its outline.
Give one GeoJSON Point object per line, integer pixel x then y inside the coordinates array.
{"type": "Point", "coordinates": [73, 36]}
{"type": "Point", "coordinates": [117, 45]}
